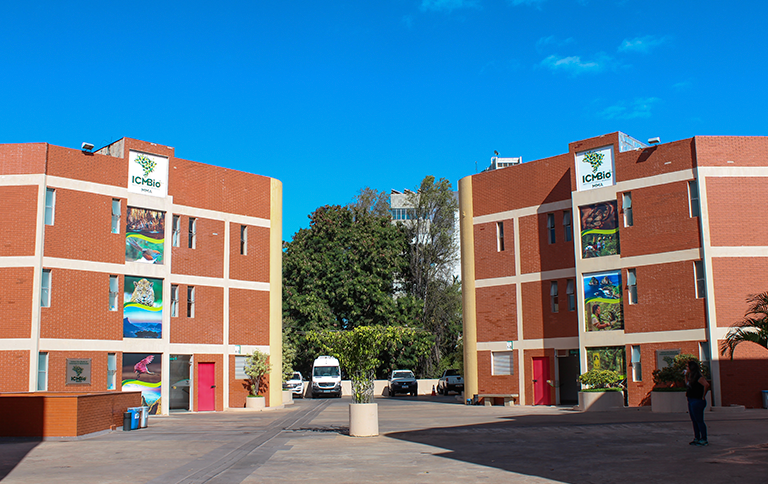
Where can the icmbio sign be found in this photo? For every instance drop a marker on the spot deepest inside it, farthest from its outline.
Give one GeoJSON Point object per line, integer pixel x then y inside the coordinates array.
{"type": "Point", "coordinates": [594, 168]}
{"type": "Point", "coordinates": [147, 174]}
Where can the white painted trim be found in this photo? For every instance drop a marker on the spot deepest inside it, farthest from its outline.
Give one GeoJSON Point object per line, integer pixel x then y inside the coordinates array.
{"type": "Point", "coordinates": [22, 180]}
{"type": "Point", "coordinates": [732, 171]}
{"type": "Point", "coordinates": [26, 261]}
{"type": "Point", "coordinates": [569, 343]}
{"type": "Point", "coordinates": [743, 251]}
{"type": "Point", "coordinates": [519, 307]}
{"type": "Point", "coordinates": [531, 277]}
{"type": "Point", "coordinates": [522, 212]}
{"type": "Point", "coordinates": [18, 344]}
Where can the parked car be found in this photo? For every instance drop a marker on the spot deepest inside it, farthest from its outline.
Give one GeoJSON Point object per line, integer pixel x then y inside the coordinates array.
{"type": "Point", "coordinates": [451, 381]}
{"type": "Point", "coordinates": [402, 381]}
{"type": "Point", "coordinates": [296, 385]}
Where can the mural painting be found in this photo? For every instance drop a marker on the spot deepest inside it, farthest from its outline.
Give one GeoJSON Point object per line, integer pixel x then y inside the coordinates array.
{"type": "Point", "coordinates": [144, 236]}
{"type": "Point", "coordinates": [141, 373]}
{"type": "Point", "coordinates": [607, 358]}
{"type": "Point", "coordinates": [599, 230]}
{"type": "Point", "coordinates": [142, 307]}
{"type": "Point", "coordinates": [602, 301]}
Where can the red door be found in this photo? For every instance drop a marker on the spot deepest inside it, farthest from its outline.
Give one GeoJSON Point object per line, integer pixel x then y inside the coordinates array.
{"type": "Point", "coordinates": [206, 387]}
{"type": "Point", "coordinates": [541, 394]}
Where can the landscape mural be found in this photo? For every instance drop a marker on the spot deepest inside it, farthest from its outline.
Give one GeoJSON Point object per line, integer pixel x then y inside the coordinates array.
{"type": "Point", "coordinates": [602, 301]}
{"type": "Point", "coordinates": [599, 230]}
{"type": "Point", "coordinates": [144, 236]}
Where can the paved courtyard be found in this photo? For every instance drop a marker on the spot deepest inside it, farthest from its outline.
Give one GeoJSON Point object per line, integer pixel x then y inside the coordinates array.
{"type": "Point", "coordinates": [425, 439]}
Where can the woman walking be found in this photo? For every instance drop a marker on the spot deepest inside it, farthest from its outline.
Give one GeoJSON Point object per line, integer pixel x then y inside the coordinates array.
{"type": "Point", "coordinates": [698, 386]}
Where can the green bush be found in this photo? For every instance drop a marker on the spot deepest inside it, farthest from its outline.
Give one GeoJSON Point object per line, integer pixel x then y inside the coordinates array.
{"type": "Point", "coordinates": [600, 379]}
{"type": "Point", "coordinates": [673, 376]}
{"type": "Point", "coordinates": [256, 367]}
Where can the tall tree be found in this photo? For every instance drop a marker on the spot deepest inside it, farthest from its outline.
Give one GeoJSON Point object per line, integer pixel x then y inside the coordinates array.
{"type": "Point", "coordinates": [372, 201]}
{"type": "Point", "coordinates": [340, 272]}
{"type": "Point", "coordinates": [433, 256]}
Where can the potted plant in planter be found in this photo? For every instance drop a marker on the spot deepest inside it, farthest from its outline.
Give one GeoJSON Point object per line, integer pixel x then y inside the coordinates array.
{"type": "Point", "coordinates": [668, 394]}
{"type": "Point", "coordinates": [358, 352]}
{"type": "Point", "coordinates": [602, 391]}
{"type": "Point", "coordinates": [256, 367]}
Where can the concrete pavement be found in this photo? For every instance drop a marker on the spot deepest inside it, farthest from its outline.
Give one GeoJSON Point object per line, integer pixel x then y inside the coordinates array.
{"type": "Point", "coordinates": [424, 439]}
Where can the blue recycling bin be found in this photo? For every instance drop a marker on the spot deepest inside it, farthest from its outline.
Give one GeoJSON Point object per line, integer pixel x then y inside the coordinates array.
{"type": "Point", "coordinates": [765, 398]}
{"type": "Point", "coordinates": [135, 417]}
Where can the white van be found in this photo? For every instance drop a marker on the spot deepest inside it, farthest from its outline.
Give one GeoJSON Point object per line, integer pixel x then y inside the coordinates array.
{"type": "Point", "coordinates": [326, 377]}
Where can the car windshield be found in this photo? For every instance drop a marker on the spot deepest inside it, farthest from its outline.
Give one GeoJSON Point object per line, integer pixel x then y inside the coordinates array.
{"type": "Point", "coordinates": [326, 371]}
{"type": "Point", "coordinates": [451, 372]}
{"type": "Point", "coordinates": [402, 374]}
{"type": "Point", "coordinates": [296, 376]}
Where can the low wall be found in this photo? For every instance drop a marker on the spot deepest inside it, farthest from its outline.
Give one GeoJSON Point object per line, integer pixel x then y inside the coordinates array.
{"type": "Point", "coordinates": [63, 414]}
{"type": "Point", "coordinates": [379, 387]}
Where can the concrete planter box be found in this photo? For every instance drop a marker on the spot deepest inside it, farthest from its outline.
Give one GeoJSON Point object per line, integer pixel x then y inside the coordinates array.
{"type": "Point", "coordinates": [673, 402]}
{"type": "Point", "coordinates": [363, 419]}
{"type": "Point", "coordinates": [600, 401]}
{"type": "Point", "coordinates": [287, 397]}
{"type": "Point", "coordinates": [255, 403]}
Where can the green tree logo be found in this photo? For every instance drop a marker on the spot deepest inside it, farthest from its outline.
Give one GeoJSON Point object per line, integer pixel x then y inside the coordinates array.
{"type": "Point", "coordinates": [147, 164]}
{"type": "Point", "coordinates": [593, 158]}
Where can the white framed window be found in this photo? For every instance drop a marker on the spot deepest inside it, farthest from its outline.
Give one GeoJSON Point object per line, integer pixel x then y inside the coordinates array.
{"type": "Point", "coordinates": [701, 283]}
{"type": "Point", "coordinates": [176, 231]}
{"type": "Point", "coordinates": [190, 301]}
{"type": "Point", "coordinates": [502, 363]}
{"type": "Point", "coordinates": [693, 198]}
{"type": "Point", "coordinates": [551, 228]}
{"type": "Point", "coordinates": [568, 225]}
{"type": "Point", "coordinates": [632, 286]}
{"type": "Point", "coordinates": [50, 205]}
{"type": "Point", "coordinates": [637, 368]}
{"type": "Point", "coordinates": [570, 291]}
{"type": "Point", "coordinates": [626, 205]}
{"type": "Point", "coordinates": [553, 296]}
{"type": "Point", "coordinates": [499, 236]}
{"type": "Point", "coordinates": [192, 232]}
{"type": "Point", "coordinates": [243, 240]}
{"type": "Point", "coordinates": [113, 292]}
{"type": "Point", "coordinates": [240, 368]}
{"type": "Point", "coordinates": [116, 213]}
{"type": "Point", "coordinates": [704, 353]}
{"type": "Point", "coordinates": [174, 300]}
{"type": "Point", "coordinates": [45, 289]}
{"type": "Point", "coordinates": [111, 371]}
{"type": "Point", "coordinates": [42, 371]}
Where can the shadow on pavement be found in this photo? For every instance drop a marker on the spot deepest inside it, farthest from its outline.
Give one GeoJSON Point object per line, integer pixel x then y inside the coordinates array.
{"type": "Point", "coordinates": [13, 451]}
{"type": "Point", "coordinates": [607, 447]}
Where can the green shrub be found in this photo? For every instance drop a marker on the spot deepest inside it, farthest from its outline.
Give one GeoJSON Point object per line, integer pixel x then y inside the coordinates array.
{"type": "Point", "coordinates": [673, 376]}
{"type": "Point", "coordinates": [256, 367]}
{"type": "Point", "coordinates": [600, 379]}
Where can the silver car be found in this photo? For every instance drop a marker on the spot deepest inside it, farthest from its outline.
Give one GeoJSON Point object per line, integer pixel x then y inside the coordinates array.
{"type": "Point", "coordinates": [403, 381]}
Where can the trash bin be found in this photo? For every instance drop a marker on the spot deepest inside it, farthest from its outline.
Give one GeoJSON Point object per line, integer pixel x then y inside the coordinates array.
{"type": "Point", "coordinates": [135, 417]}
{"type": "Point", "coordinates": [127, 418]}
{"type": "Point", "coordinates": [144, 419]}
{"type": "Point", "coordinates": [765, 398]}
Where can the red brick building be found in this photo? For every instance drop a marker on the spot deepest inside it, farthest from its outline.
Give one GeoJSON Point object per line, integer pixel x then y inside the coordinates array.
{"type": "Point", "coordinates": [130, 268]}
{"type": "Point", "coordinates": [614, 255]}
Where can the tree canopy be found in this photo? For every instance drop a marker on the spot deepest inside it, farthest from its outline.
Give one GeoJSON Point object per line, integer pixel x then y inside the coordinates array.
{"type": "Point", "coordinates": [753, 327]}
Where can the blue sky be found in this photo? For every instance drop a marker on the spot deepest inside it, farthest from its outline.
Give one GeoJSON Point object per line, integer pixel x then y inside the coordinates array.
{"type": "Point", "coordinates": [333, 96]}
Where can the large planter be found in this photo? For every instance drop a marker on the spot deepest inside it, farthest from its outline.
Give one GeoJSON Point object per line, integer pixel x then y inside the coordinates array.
{"type": "Point", "coordinates": [255, 403]}
{"type": "Point", "coordinates": [673, 402]}
{"type": "Point", "coordinates": [287, 397]}
{"type": "Point", "coordinates": [600, 401]}
{"type": "Point", "coordinates": [363, 419]}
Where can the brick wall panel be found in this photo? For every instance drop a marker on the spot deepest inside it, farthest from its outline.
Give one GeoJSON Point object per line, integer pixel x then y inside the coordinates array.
{"type": "Point", "coordinates": [488, 383]}
{"type": "Point", "coordinates": [254, 264]}
{"type": "Point", "coordinates": [734, 279]}
{"type": "Point", "coordinates": [207, 258]}
{"type": "Point", "coordinates": [744, 377]}
{"type": "Point", "coordinates": [22, 158]}
{"type": "Point", "coordinates": [730, 225]}
{"type": "Point", "coordinates": [15, 374]}
{"type": "Point", "coordinates": [207, 325]}
{"type": "Point", "coordinates": [639, 393]}
{"type": "Point", "coordinates": [16, 302]}
{"type": "Point", "coordinates": [489, 261]}
{"type": "Point", "coordinates": [536, 253]}
{"type": "Point", "coordinates": [18, 217]}
{"type": "Point", "coordinates": [740, 150]}
{"type": "Point", "coordinates": [248, 317]}
{"type": "Point", "coordinates": [538, 319]}
{"type": "Point", "coordinates": [496, 313]}
{"type": "Point", "coordinates": [90, 167]}
{"type": "Point", "coordinates": [80, 307]}
{"type": "Point", "coordinates": [666, 299]}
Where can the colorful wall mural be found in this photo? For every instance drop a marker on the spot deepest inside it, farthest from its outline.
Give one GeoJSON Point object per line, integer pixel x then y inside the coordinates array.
{"type": "Point", "coordinates": [142, 307]}
{"type": "Point", "coordinates": [607, 358]}
{"type": "Point", "coordinates": [599, 230]}
{"type": "Point", "coordinates": [144, 236]}
{"type": "Point", "coordinates": [602, 301]}
{"type": "Point", "coordinates": [141, 373]}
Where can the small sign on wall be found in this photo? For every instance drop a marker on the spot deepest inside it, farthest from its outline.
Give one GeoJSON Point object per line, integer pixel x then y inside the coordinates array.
{"type": "Point", "coordinates": [665, 358]}
{"type": "Point", "coordinates": [78, 371]}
